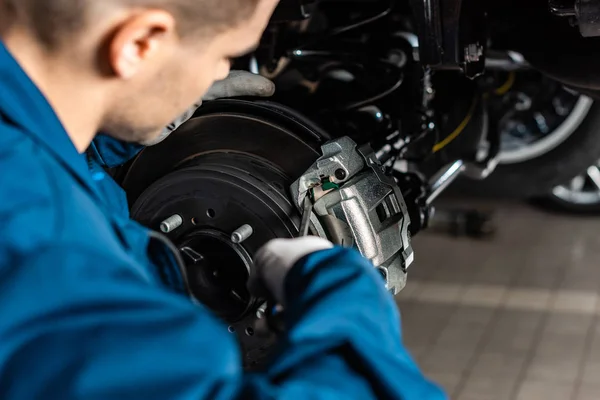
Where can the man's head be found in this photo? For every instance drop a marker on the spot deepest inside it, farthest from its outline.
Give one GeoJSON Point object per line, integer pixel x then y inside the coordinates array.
{"type": "Point", "coordinates": [146, 61]}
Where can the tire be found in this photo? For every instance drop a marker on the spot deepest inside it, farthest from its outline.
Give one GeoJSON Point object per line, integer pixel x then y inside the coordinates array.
{"type": "Point", "coordinates": [537, 176]}
{"type": "Point", "coordinates": [580, 195]}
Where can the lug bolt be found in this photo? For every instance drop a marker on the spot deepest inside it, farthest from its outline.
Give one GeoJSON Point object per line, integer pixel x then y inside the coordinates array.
{"type": "Point", "coordinates": [242, 234]}
{"type": "Point", "coordinates": [260, 313]}
{"type": "Point", "coordinates": [171, 223]}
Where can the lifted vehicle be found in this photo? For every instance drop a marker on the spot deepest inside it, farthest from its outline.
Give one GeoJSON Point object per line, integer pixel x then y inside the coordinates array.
{"type": "Point", "coordinates": [380, 106]}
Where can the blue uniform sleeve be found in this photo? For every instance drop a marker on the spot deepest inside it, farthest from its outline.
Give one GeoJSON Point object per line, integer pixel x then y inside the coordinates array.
{"type": "Point", "coordinates": [338, 304]}
{"type": "Point", "coordinates": [75, 325]}
{"type": "Point", "coordinates": [111, 153]}
{"type": "Point", "coordinates": [106, 152]}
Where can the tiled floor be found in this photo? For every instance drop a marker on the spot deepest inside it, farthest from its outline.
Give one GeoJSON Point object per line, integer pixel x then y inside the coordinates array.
{"type": "Point", "coordinates": [514, 317]}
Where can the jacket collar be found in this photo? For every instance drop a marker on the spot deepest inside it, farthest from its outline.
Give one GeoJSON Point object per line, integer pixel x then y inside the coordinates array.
{"type": "Point", "coordinates": [24, 105]}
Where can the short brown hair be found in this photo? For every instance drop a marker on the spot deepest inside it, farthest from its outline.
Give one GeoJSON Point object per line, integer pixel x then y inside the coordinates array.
{"type": "Point", "coordinates": [54, 20]}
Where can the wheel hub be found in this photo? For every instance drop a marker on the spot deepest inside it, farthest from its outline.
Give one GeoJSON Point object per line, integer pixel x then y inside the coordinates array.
{"type": "Point", "coordinates": [214, 195]}
{"type": "Point", "coordinates": [217, 271]}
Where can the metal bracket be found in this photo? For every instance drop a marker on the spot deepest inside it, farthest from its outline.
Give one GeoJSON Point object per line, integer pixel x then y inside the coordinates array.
{"type": "Point", "coordinates": [366, 210]}
{"type": "Point", "coordinates": [339, 163]}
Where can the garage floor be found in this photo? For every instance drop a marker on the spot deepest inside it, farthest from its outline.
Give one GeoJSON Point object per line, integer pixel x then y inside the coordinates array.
{"type": "Point", "coordinates": [515, 317]}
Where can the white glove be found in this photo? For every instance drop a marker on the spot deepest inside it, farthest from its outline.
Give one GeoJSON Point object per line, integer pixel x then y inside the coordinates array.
{"type": "Point", "coordinates": [274, 260]}
{"type": "Point", "coordinates": [240, 83]}
{"type": "Point", "coordinates": [237, 84]}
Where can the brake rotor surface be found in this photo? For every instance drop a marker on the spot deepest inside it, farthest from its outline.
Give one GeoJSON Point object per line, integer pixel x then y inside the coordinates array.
{"type": "Point", "coordinates": [226, 168]}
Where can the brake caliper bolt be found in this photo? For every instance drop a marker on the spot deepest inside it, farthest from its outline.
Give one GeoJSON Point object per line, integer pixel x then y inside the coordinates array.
{"type": "Point", "coordinates": [242, 234]}
{"type": "Point", "coordinates": [340, 174]}
{"type": "Point", "coordinates": [171, 223]}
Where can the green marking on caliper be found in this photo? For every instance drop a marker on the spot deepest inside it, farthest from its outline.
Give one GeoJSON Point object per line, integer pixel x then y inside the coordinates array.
{"type": "Point", "coordinates": [330, 185]}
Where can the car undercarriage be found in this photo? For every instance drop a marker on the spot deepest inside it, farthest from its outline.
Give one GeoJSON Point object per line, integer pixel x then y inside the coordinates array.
{"type": "Point", "coordinates": [380, 106]}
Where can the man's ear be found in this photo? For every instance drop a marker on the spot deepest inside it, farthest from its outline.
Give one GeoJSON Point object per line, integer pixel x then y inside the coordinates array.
{"type": "Point", "coordinates": [139, 39]}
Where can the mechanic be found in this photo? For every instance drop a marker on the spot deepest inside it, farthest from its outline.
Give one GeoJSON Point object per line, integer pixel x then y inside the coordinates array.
{"type": "Point", "coordinates": [95, 306]}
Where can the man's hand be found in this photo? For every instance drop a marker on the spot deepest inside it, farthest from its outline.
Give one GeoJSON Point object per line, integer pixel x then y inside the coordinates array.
{"type": "Point", "coordinates": [273, 262]}
{"type": "Point", "coordinates": [237, 84]}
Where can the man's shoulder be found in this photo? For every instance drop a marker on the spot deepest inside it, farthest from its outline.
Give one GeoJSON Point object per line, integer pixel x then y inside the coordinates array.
{"type": "Point", "coordinates": [26, 202]}
{"type": "Point", "coordinates": [44, 206]}
{"type": "Point", "coordinates": [26, 177]}
{"type": "Point", "coordinates": [37, 195]}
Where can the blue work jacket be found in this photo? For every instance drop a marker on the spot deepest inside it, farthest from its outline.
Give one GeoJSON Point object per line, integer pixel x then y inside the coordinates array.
{"type": "Point", "coordinates": [93, 305]}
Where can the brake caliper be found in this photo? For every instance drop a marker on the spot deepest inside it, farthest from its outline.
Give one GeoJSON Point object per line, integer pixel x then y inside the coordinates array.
{"type": "Point", "coordinates": [356, 205]}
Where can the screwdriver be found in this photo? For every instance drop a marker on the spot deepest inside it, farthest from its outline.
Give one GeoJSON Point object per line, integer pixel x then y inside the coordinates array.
{"type": "Point", "coordinates": [306, 214]}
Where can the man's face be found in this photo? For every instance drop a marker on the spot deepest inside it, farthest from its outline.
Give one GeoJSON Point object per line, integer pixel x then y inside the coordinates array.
{"type": "Point", "coordinates": [177, 77]}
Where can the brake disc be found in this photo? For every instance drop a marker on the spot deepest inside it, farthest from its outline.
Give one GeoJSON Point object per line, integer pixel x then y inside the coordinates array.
{"type": "Point", "coordinates": [227, 172]}
{"type": "Point", "coordinates": [229, 166]}
{"type": "Point", "coordinates": [214, 195]}
{"type": "Point", "coordinates": [269, 131]}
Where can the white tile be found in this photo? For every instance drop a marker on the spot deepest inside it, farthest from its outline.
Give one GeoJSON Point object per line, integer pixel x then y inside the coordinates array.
{"type": "Point", "coordinates": [544, 390]}
{"type": "Point", "coordinates": [500, 365]}
{"type": "Point", "coordinates": [495, 275]}
{"type": "Point", "coordinates": [591, 373]}
{"type": "Point", "coordinates": [444, 360]}
{"type": "Point", "coordinates": [589, 392]}
{"type": "Point", "coordinates": [512, 320]}
{"type": "Point", "coordinates": [487, 388]}
{"type": "Point", "coordinates": [574, 326]}
{"type": "Point", "coordinates": [439, 292]}
{"type": "Point", "coordinates": [460, 337]}
{"type": "Point", "coordinates": [516, 341]}
{"type": "Point", "coordinates": [409, 291]}
{"type": "Point", "coordinates": [528, 299]}
{"type": "Point", "coordinates": [417, 336]}
{"type": "Point", "coordinates": [553, 369]}
{"type": "Point", "coordinates": [447, 380]}
{"type": "Point", "coordinates": [484, 295]}
{"type": "Point", "coordinates": [467, 316]}
{"type": "Point", "coordinates": [575, 301]}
